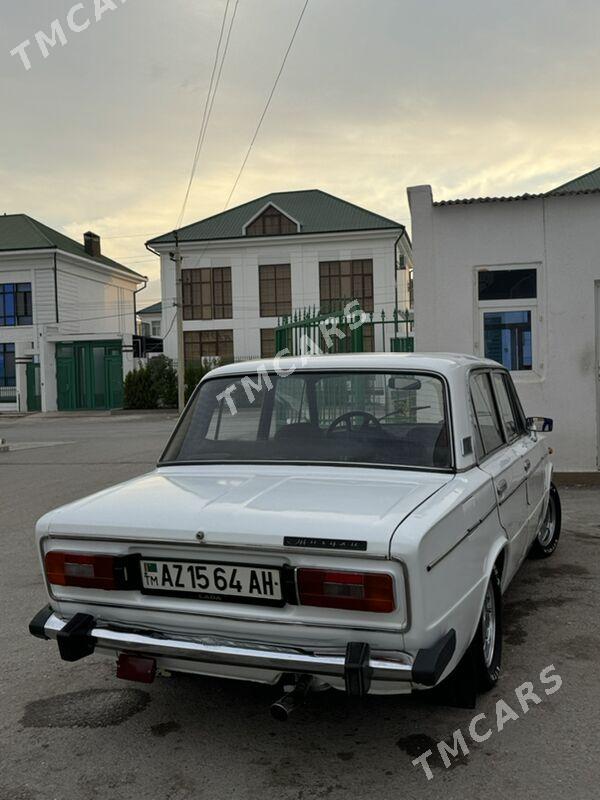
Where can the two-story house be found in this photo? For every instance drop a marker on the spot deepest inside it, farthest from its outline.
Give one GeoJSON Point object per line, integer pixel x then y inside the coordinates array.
{"type": "Point", "coordinates": [67, 320]}
{"type": "Point", "coordinates": [246, 267]}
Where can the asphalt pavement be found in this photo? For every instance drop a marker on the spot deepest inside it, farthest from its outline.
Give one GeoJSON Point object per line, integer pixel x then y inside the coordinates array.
{"type": "Point", "coordinates": [75, 731]}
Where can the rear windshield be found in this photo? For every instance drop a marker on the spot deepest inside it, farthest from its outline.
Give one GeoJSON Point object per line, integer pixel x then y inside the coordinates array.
{"type": "Point", "coordinates": [363, 418]}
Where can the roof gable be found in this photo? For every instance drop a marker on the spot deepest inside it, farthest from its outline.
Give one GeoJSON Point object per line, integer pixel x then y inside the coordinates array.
{"type": "Point", "coordinates": [270, 213]}
{"type": "Point", "coordinates": [584, 183]}
{"type": "Point", "coordinates": [21, 232]}
{"type": "Point", "coordinates": [313, 210]}
{"type": "Point", "coordinates": [155, 308]}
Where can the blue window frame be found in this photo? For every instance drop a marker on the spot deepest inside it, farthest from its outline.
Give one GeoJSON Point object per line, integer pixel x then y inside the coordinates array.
{"type": "Point", "coordinates": [507, 338]}
{"type": "Point", "coordinates": [15, 304]}
{"type": "Point", "coordinates": [8, 375]}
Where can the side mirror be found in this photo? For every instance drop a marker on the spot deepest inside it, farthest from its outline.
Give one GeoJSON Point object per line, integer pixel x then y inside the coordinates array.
{"type": "Point", "coordinates": [540, 424]}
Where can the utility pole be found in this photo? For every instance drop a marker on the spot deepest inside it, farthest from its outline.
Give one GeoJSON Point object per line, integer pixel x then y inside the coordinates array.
{"type": "Point", "coordinates": [177, 258]}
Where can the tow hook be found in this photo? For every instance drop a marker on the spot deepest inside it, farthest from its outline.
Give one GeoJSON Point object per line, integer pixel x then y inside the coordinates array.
{"type": "Point", "coordinates": [282, 709]}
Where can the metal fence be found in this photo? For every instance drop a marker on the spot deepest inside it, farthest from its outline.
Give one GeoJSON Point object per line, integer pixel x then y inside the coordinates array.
{"type": "Point", "coordinates": [8, 394]}
{"type": "Point", "coordinates": [311, 330]}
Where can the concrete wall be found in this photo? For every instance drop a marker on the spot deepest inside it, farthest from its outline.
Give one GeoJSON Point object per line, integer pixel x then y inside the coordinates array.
{"type": "Point", "coordinates": [560, 237]}
{"type": "Point", "coordinates": [303, 254]}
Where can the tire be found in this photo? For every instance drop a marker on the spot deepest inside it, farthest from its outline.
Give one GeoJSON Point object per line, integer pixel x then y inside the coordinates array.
{"type": "Point", "coordinates": [548, 535]}
{"type": "Point", "coordinates": [478, 670]}
{"type": "Point", "coordinates": [486, 647]}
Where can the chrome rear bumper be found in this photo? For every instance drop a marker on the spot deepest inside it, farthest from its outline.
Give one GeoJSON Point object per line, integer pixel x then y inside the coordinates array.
{"type": "Point", "coordinates": [80, 635]}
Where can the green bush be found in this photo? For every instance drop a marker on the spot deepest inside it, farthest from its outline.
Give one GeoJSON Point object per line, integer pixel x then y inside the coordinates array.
{"type": "Point", "coordinates": [153, 385]}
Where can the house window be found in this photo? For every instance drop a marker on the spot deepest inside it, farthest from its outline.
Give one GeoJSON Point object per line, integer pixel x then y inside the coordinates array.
{"type": "Point", "coordinates": [15, 304]}
{"type": "Point", "coordinates": [8, 375]}
{"type": "Point", "coordinates": [271, 223]}
{"type": "Point", "coordinates": [275, 286]}
{"type": "Point", "coordinates": [267, 343]}
{"type": "Point", "coordinates": [206, 293]}
{"type": "Point", "coordinates": [507, 338]}
{"type": "Point", "coordinates": [507, 307]}
{"type": "Point", "coordinates": [341, 281]}
{"type": "Point", "coordinates": [156, 327]}
{"type": "Point", "coordinates": [208, 344]}
{"type": "Point", "coordinates": [507, 284]}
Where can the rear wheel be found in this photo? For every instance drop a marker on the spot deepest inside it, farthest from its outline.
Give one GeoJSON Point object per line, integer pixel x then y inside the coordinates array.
{"type": "Point", "coordinates": [548, 535]}
{"type": "Point", "coordinates": [486, 647]}
{"type": "Point", "coordinates": [479, 668]}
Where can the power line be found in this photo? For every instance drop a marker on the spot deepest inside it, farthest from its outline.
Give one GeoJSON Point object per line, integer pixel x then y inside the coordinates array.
{"type": "Point", "coordinates": [268, 103]}
{"type": "Point", "coordinates": [261, 119]}
{"type": "Point", "coordinates": [209, 102]}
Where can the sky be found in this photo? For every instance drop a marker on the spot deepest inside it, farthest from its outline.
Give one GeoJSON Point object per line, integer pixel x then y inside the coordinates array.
{"type": "Point", "coordinates": [475, 97]}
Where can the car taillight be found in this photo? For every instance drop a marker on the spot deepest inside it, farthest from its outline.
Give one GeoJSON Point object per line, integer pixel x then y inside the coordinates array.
{"type": "Point", "coordinates": [88, 571]}
{"type": "Point", "coordinates": [357, 591]}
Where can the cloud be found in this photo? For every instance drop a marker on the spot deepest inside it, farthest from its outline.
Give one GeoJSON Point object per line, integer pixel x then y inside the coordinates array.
{"type": "Point", "coordinates": [473, 98]}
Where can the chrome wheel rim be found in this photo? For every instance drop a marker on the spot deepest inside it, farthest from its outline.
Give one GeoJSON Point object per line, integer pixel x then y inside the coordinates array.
{"type": "Point", "coordinates": [546, 533]}
{"type": "Point", "coordinates": [488, 625]}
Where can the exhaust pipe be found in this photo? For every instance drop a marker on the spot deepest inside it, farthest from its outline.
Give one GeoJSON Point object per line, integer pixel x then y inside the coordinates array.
{"type": "Point", "coordinates": [282, 709]}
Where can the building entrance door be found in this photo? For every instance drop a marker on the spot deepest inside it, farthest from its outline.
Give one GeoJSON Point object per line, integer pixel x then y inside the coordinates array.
{"type": "Point", "coordinates": [34, 394]}
{"type": "Point", "coordinates": [89, 375]}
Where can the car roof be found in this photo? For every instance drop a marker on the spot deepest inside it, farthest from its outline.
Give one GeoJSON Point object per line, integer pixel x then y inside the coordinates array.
{"type": "Point", "coordinates": [443, 363]}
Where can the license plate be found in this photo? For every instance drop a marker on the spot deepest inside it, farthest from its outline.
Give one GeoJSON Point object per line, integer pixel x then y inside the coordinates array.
{"type": "Point", "coordinates": [213, 581]}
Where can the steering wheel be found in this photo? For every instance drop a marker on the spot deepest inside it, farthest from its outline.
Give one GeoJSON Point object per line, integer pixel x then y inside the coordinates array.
{"type": "Point", "coordinates": [346, 420]}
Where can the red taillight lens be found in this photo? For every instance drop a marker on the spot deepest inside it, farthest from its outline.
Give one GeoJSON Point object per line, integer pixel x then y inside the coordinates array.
{"type": "Point", "coordinates": [357, 591]}
{"type": "Point", "coordinates": [73, 569]}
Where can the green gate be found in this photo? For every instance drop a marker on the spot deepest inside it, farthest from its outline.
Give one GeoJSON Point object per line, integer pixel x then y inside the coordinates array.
{"type": "Point", "coordinates": [89, 375]}
{"type": "Point", "coordinates": [34, 392]}
{"type": "Point", "coordinates": [309, 331]}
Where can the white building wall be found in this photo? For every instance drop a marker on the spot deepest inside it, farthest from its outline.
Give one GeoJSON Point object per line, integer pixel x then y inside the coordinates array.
{"type": "Point", "coordinates": [244, 259]}
{"type": "Point", "coordinates": [93, 303]}
{"type": "Point", "coordinates": [560, 236]}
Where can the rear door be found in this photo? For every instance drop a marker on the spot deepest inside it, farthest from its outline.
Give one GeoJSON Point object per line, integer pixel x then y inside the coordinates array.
{"type": "Point", "coordinates": [500, 460]}
{"type": "Point", "coordinates": [532, 450]}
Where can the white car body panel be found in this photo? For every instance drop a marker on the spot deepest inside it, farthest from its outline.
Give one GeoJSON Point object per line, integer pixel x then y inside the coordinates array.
{"type": "Point", "coordinates": [438, 533]}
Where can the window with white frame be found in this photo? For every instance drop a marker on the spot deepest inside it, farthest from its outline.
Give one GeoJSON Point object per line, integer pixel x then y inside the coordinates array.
{"type": "Point", "coordinates": [508, 299]}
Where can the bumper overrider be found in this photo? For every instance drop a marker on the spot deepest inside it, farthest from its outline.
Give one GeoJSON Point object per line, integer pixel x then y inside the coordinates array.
{"type": "Point", "coordinates": [357, 664]}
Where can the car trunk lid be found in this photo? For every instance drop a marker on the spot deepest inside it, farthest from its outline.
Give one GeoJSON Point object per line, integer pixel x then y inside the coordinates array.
{"type": "Point", "coordinates": [255, 507]}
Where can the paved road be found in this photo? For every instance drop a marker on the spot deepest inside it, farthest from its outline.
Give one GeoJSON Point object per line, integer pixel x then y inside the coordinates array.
{"type": "Point", "coordinates": [75, 731]}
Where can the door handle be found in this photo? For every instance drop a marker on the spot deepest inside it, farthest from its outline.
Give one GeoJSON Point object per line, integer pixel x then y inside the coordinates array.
{"type": "Point", "coordinates": [527, 465]}
{"type": "Point", "coordinates": [502, 487]}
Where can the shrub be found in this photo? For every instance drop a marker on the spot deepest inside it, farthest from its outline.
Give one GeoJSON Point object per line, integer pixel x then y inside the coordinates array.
{"type": "Point", "coordinates": [163, 377]}
{"type": "Point", "coordinates": [153, 385]}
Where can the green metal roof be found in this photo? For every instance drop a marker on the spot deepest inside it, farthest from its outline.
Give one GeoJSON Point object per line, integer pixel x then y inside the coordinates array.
{"type": "Point", "coordinates": [584, 183]}
{"type": "Point", "coordinates": [21, 232]}
{"type": "Point", "coordinates": [316, 212]}
{"type": "Point", "coordinates": [156, 308]}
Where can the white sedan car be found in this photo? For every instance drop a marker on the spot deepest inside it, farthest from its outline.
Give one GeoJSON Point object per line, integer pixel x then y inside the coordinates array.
{"type": "Point", "coordinates": [346, 520]}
